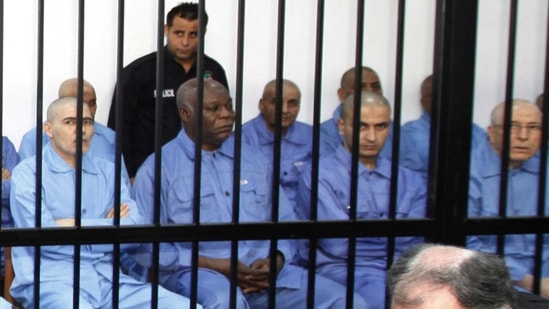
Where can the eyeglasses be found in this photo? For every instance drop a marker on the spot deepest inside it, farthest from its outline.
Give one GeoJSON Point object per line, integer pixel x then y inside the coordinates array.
{"type": "Point", "coordinates": [517, 127]}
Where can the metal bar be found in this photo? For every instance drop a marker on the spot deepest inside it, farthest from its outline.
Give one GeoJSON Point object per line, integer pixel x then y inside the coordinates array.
{"type": "Point", "coordinates": [198, 145]}
{"type": "Point", "coordinates": [397, 111]}
{"type": "Point", "coordinates": [311, 275]}
{"type": "Point", "coordinates": [504, 181]}
{"type": "Point", "coordinates": [159, 103]}
{"type": "Point", "coordinates": [542, 174]}
{"type": "Point", "coordinates": [237, 147]}
{"type": "Point", "coordinates": [355, 149]}
{"type": "Point", "coordinates": [39, 140]}
{"type": "Point", "coordinates": [281, 18]}
{"type": "Point", "coordinates": [78, 167]}
{"type": "Point", "coordinates": [450, 144]}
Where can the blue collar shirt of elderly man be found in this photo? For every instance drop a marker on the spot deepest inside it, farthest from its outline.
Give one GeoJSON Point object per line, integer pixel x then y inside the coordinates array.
{"type": "Point", "coordinates": [522, 193]}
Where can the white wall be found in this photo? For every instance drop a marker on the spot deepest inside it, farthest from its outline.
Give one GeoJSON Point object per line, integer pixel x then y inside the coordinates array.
{"type": "Point", "coordinates": [20, 55]}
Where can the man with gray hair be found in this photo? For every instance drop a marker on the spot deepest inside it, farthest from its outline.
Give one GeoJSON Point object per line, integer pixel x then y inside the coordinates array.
{"type": "Point", "coordinates": [373, 198]}
{"type": "Point", "coordinates": [439, 276]}
{"type": "Point", "coordinates": [522, 194]}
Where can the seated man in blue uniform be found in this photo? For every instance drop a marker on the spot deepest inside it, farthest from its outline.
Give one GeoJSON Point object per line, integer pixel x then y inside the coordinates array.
{"type": "Point", "coordinates": [330, 139]}
{"type": "Point", "coordinates": [374, 185]}
{"type": "Point", "coordinates": [415, 135]}
{"type": "Point", "coordinates": [216, 187]}
{"type": "Point", "coordinates": [296, 137]}
{"type": "Point", "coordinates": [58, 210]}
{"type": "Point", "coordinates": [138, 86]}
{"type": "Point", "coordinates": [523, 177]}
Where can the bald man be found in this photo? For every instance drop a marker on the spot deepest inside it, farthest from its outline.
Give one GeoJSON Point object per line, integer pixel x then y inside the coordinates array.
{"type": "Point", "coordinates": [58, 210]}
{"type": "Point", "coordinates": [523, 177]}
{"type": "Point", "coordinates": [374, 186]}
{"type": "Point", "coordinates": [296, 139]}
{"type": "Point", "coordinates": [103, 146]}
{"type": "Point", "coordinates": [432, 276]}
{"type": "Point", "coordinates": [330, 138]}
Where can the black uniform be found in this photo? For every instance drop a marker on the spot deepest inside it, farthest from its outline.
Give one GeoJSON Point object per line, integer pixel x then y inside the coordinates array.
{"type": "Point", "coordinates": [138, 81]}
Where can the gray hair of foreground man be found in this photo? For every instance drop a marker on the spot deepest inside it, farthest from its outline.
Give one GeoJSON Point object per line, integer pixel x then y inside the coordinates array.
{"type": "Point", "coordinates": [477, 280]}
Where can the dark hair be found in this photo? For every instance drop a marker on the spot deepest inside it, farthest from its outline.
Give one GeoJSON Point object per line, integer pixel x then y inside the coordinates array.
{"type": "Point", "coordinates": [478, 281]}
{"type": "Point", "coordinates": [186, 10]}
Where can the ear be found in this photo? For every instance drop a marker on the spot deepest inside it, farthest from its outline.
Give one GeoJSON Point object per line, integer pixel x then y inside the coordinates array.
{"type": "Point", "coordinates": [261, 105]}
{"type": "Point", "coordinates": [341, 94]}
{"type": "Point", "coordinates": [47, 129]}
{"type": "Point", "coordinates": [491, 132]}
{"type": "Point", "coordinates": [185, 114]}
{"type": "Point", "coordinates": [166, 30]}
{"type": "Point", "coordinates": [341, 126]}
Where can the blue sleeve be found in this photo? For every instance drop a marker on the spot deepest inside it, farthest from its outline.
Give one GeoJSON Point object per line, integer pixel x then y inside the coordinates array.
{"type": "Point", "coordinates": [134, 218]}
{"type": "Point", "coordinates": [10, 159]}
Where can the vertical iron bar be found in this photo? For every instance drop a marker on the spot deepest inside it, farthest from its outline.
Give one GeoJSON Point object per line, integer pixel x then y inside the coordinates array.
{"type": "Point", "coordinates": [355, 157]}
{"type": "Point", "coordinates": [504, 181]}
{"type": "Point", "coordinates": [397, 105]}
{"type": "Point", "coordinates": [455, 48]}
{"type": "Point", "coordinates": [159, 103]}
{"type": "Point", "coordinates": [117, 152]}
{"type": "Point", "coordinates": [277, 145]}
{"type": "Point", "coordinates": [311, 275]}
{"type": "Point", "coordinates": [198, 145]}
{"type": "Point", "coordinates": [237, 146]}
{"type": "Point", "coordinates": [542, 172]}
{"type": "Point", "coordinates": [39, 140]}
{"type": "Point", "coordinates": [78, 167]}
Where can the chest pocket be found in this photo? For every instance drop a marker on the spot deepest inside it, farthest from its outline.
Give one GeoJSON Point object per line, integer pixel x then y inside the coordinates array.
{"type": "Point", "coordinates": [181, 208]}
{"type": "Point", "coordinates": [254, 202]}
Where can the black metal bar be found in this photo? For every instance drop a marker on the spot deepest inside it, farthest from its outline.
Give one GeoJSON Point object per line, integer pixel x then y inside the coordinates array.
{"type": "Point", "coordinates": [504, 181]}
{"type": "Point", "coordinates": [159, 103]}
{"type": "Point", "coordinates": [397, 111]}
{"type": "Point", "coordinates": [311, 275]}
{"type": "Point", "coordinates": [118, 147]}
{"type": "Point", "coordinates": [355, 152]}
{"type": "Point", "coordinates": [78, 166]}
{"type": "Point", "coordinates": [275, 189]}
{"type": "Point", "coordinates": [450, 144]}
{"type": "Point", "coordinates": [542, 174]}
{"type": "Point", "coordinates": [237, 147]}
{"type": "Point", "coordinates": [198, 145]}
{"type": "Point", "coordinates": [39, 140]}
{"type": "Point", "coordinates": [254, 231]}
